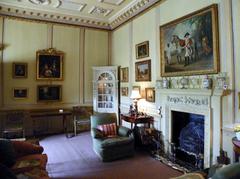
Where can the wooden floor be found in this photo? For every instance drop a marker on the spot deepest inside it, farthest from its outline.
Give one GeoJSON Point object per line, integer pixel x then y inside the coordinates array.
{"type": "Point", "coordinates": [75, 158]}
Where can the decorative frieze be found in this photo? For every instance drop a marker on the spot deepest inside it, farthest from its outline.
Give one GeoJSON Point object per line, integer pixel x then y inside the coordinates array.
{"type": "Point", "coordinates": [188, 100]}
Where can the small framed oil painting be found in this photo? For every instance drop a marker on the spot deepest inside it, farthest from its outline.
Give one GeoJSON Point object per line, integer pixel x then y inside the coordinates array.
{"type": "Point", "coordinates": [20, 93]}
{"type": "Point", "coordinates": [124, 74]}
{"type": "Point", "coordinates": [124, 91]}
{"type": "Point", "coordinates": [150, 94]}
{"type": "Point", "coordinates": [19, 70]}
{"type": "Point", "coordinates": [49, 64]}
{"type": "Point", "coordinates": [143, 70]}
{"type": "Point", "coordinates": [142, 50]}
{"type": "Point", "coordinates": [49, 93]}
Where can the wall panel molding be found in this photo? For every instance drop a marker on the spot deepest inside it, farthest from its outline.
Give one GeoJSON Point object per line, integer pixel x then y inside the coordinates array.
{"type": "Point", "coordinates": [81, 65]}
{"type": "Point", "coordinates": [1, 60]}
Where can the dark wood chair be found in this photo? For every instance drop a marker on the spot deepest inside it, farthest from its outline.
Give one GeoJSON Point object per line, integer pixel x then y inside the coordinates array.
{"type": "Point", "coordinates": [14, 125]}
{"type": "Point", "coordinates": [81, 117]}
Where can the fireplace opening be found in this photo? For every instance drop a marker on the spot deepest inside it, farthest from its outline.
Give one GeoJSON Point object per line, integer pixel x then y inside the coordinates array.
{"type": "Point", "coordinates": [188, 138]}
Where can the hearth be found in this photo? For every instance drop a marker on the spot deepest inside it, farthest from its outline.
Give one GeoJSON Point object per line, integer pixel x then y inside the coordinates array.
{"type": "Point", "coordinates": [187, 144]}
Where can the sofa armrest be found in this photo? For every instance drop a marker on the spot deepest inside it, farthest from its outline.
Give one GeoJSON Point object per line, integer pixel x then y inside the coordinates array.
{"type": "Point", "coordinates": [124, 131]}
{"type": "Point", "coordinates": [230, 171]}
{"type": "Point", "coordinates": [25, 148]}
{"type": "Point", "coordinates": [96, 133]}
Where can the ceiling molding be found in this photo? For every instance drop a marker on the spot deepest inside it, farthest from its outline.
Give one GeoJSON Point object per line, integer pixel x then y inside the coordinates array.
{"type": "Point", "coordinates": [70, 11]}
{"type": "Point", "coordinates": [112, 2]}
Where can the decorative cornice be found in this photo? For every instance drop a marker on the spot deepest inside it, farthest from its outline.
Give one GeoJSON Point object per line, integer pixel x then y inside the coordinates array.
{"type": "Point", "coordinates": [129, 12]}
{"type": "Point", "coordinates": [52, 17]}
{"type": "Point", "coordinates": [122, 16]}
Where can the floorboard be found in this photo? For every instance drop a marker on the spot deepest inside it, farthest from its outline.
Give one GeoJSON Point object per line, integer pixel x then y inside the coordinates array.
{"type": "Point", "coordinates": [75, 158]}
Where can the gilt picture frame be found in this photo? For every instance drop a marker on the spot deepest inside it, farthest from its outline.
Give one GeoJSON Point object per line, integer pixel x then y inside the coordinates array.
{"type": "Point", "coordinates": [19, 70]}
{"type": "Point", "coordinates": [49, 93]}
{"type": "Point", "coordinates": [124, 74]}
{"type": "Point", "coordinates": [124, 91]}
{"type": "Point", "coordinates": [142, 50]}
{"type": "Point", "coordinates": [190, 45]}
{"type": "Point", "coordinates": [150, 94]}
{"type": "Point", "coordinates": [238, 100]}
{"type": "Point", "coordinates": [20, 93]}
{"type": "Point", "coordinates": [143, 71]}
{"type": "Point", "coordinates": [49, 64]}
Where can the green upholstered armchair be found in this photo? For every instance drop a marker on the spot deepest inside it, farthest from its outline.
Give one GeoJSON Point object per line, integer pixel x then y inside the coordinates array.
{"type": "Point", "coordinates": [111, 148]}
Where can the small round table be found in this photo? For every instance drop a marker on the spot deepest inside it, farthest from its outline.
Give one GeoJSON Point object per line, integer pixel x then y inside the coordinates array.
{"type": "Point", "coordinates": [236, 148]}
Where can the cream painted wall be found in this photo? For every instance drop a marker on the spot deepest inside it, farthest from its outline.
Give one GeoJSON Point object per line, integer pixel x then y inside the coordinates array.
{"type": "Point", "coordinates": [22, 40]}
{"type": "Point", "coordinates": [96, 54]}
{"type": "Point", "coordinates": [67, 39]}
{"type": "Point", "coordinates": [236, 37]}
{"type": "Point", "coordinates": [82, 47]}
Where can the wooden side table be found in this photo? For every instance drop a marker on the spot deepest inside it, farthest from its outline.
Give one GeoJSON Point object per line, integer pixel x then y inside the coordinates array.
{"type": "Point", "coordinates": [137, 119]}
{"type": "Point", "coordinates": [236, 148]}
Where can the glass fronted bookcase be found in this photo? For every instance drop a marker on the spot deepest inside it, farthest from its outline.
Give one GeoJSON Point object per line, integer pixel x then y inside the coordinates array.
{"type": "Point", "coordinates": [105, 89]}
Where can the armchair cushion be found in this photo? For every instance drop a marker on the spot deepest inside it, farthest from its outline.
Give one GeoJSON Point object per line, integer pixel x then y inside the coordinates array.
{"type": "Point", "coordinates": [23, 148]}
{"type": "Point", "coordinates": [117, 141]}
{"type": "Point", "coordinates": [29, 162]}
{"type": "Point", "coordinates": [108, 129]}
{"type": "Point", "coordinates": [230, 172]}
{"type": "Point", "coordinates": [96, 133]}
{"type": "Point", "coordinates": [7, 153]}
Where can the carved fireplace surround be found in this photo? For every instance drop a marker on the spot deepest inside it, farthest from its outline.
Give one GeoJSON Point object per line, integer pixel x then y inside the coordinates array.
{"type": "Point", "coordinates": [197, 101]}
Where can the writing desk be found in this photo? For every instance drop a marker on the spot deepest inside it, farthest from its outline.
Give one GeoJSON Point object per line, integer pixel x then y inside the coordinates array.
{"type": "Point", "coordinates": [64, 115]}
{"type": "Point", "coordinates": [137, 119]}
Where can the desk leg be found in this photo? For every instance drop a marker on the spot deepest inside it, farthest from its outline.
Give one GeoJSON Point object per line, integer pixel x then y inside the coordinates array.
{"type": "Point", "coordinates": [65, 127]}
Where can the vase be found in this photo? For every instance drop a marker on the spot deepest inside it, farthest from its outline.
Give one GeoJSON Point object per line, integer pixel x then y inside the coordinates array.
{"type": "Point", "coordinates": [238, 135]}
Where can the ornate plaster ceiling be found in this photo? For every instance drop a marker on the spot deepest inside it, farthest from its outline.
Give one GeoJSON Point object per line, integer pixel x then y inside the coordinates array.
{"type": "Point", "coordinates": [105, 14]}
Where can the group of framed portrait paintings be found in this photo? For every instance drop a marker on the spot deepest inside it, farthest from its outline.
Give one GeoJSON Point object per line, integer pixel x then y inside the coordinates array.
{"type": "Point", "coordinates": [142, 68]}
{"type": "Point", "coordinates": [49, 66]}
{"type": "Point", "coordinates": [142, 71]}
{"type": "Point", "coordinates": [149, 92]}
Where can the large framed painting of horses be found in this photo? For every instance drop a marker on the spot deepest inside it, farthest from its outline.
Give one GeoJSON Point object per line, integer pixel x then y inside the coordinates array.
{"type": "Point", "coordinates": [189, 45]}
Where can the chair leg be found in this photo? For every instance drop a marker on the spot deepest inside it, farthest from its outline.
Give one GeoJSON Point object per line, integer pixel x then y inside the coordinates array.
{"type": "Point", "coordinates": [75, 128]}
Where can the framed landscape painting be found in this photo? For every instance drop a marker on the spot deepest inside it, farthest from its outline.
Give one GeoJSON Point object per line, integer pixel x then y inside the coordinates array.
{"type": "Point", "coordinates": [49, 64]}
{"type": "Point", "coordinates": [189, 45]}
{"type": "Point", "coordinates": [143, 70]}
{"type": "Point", "coordinates": [49, 93]}
{"type": "Point", "coordinates": [142, 50]}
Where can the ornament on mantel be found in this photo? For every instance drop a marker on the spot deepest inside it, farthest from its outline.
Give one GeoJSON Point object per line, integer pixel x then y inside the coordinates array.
{"type": "Point", "coordinates": [207, 82]}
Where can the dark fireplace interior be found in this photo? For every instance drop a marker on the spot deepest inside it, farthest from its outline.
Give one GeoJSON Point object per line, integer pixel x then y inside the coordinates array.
{"type": "Point", "coordinates": [188, 138]}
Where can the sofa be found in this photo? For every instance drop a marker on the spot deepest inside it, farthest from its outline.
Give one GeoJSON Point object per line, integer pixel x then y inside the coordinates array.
{"type": "Point", "coordinates": [218, 171]}
{"type": "Point", "coordinates": [107, 147]}
{"type": "Point", "coordinates": [22, 159]}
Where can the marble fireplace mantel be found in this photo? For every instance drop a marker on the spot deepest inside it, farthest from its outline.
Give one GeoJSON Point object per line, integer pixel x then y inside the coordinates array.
{"type": "Point", "coordinates": [207, 102]}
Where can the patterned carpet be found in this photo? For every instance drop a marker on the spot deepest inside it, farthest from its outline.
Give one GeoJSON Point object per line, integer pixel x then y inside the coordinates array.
{"type": "Point", "coordinates": [75, 158]}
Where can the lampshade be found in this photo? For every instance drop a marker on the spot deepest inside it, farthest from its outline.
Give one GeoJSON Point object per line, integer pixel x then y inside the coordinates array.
{"type": "Point", "coordinates": [135, 94]}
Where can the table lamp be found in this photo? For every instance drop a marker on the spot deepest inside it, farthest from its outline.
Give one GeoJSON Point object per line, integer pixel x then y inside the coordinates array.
{"type": "Point", "coordinates": [135, 96]}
